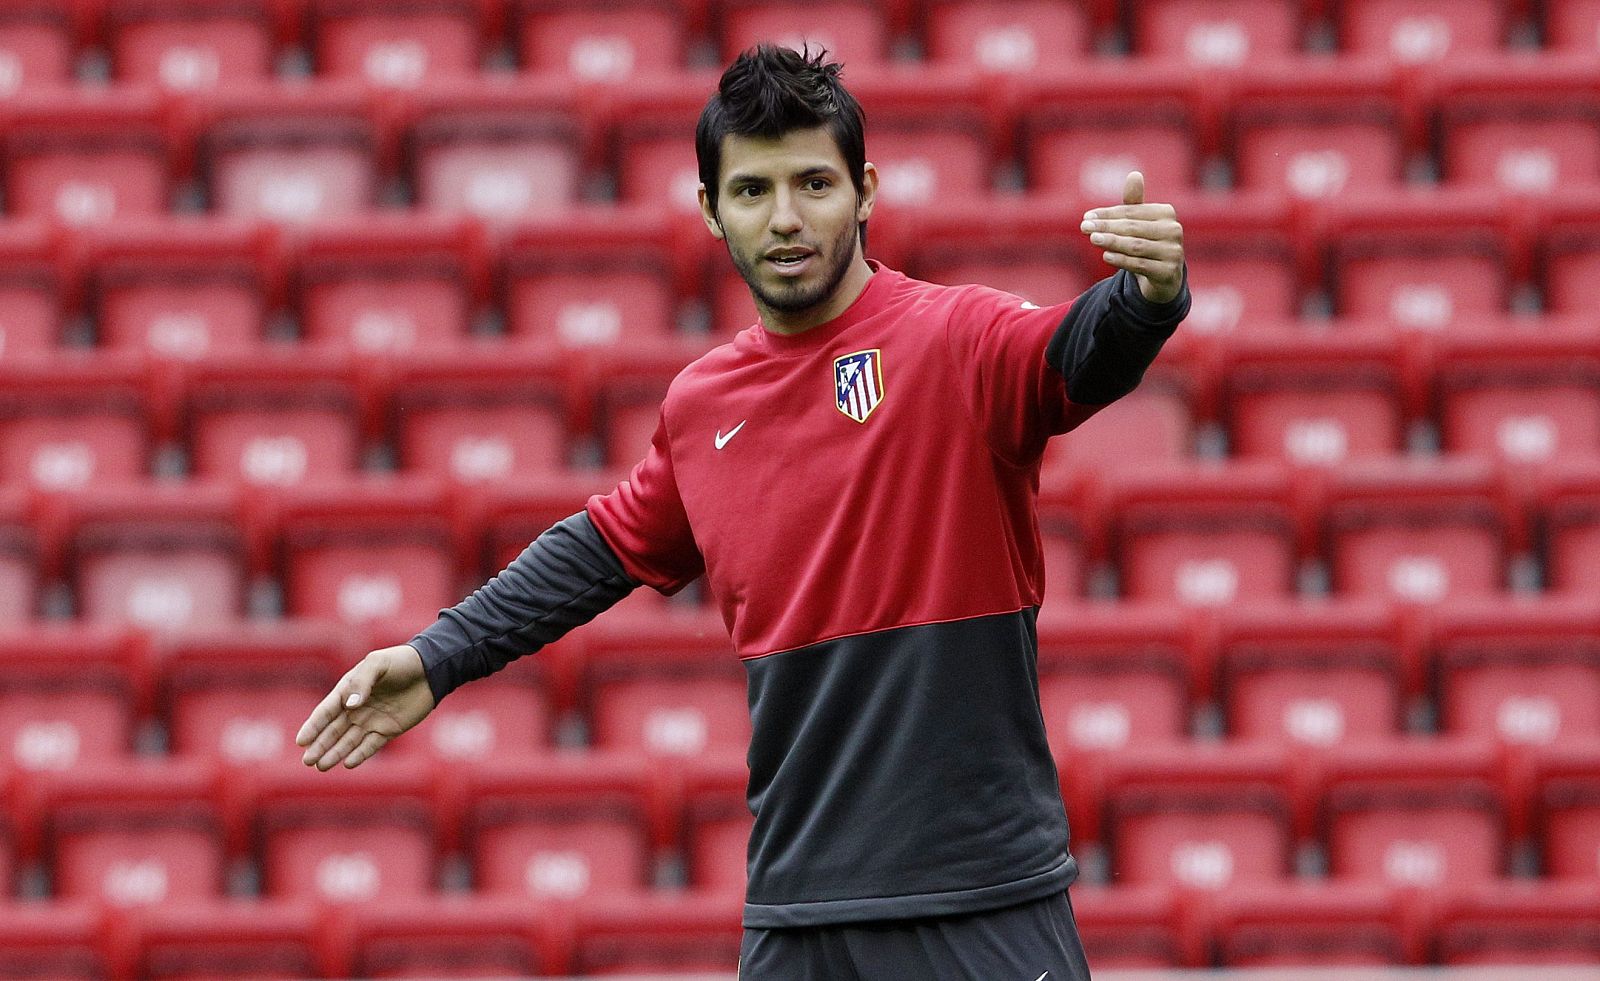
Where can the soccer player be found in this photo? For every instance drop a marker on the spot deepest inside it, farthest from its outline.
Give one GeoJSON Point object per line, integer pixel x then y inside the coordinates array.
{"type": "Point", "coordinates": [856, 477]}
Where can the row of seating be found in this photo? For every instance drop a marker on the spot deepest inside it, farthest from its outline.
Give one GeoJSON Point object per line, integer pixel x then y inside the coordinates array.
{"type": "Point", "coordinates": [1312, 128]}
{"type": "Point", "coordinates": [401, 44]}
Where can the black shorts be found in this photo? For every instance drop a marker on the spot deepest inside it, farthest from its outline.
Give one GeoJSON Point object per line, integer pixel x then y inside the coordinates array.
{"type": "Point", "coordinates": [1034, 941]}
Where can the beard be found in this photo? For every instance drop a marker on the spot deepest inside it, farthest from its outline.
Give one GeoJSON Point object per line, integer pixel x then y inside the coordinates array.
{"type": "Point", "coordinates": [797, 297]}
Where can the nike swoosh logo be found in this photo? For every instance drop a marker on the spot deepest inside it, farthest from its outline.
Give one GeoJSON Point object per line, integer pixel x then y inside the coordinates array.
{"type": "Point", "coordinates": [1030, 305]}
{"type": "Point", "coordinates": [1042, 976]}
{"type": "Point", "coordinates": [723, 440]}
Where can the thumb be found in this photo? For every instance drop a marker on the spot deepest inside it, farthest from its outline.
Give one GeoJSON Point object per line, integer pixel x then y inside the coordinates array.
{"type": "Point", "coordinates": [357, 687]}
{"type": "Point", "coordinates": [1133, 188]}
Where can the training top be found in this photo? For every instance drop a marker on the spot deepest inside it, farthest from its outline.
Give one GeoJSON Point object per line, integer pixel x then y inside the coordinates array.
{"type": "Point", "coordinates": [861, 498]}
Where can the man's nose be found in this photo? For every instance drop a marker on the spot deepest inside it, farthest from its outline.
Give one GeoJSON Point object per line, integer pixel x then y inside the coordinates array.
{"type": "Point", "coordinates": [785, 215]}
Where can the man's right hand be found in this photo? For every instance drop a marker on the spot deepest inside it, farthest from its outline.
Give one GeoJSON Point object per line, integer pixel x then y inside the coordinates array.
{"type": "Point", "coordinates": [377, 700]}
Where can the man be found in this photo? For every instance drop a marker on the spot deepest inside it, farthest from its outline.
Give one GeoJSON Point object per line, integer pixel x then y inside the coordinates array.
{"type": "Point", "coordinates": [856, 476]}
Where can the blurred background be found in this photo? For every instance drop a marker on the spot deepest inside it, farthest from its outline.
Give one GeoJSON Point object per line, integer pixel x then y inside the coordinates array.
{"type": "Point", "coordinates": [313, 313]}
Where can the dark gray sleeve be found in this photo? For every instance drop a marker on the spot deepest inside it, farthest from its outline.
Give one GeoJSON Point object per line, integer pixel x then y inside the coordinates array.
{"type": "Point", "coordinates": [567, 577]}
{"type": "Point", "coordinates": [1111, 335]}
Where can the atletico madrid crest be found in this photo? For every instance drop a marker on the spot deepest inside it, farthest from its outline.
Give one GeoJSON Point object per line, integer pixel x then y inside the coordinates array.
{"type": "Point", "coordinates": [858, 383]}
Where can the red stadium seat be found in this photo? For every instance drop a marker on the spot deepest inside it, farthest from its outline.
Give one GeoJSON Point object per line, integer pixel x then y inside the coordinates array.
{"type": "Point", "coordinates": [69, 696]}
{"type": "Point", "coordinates": [629, 384]}
{"type": "Point", "coordinates": [1140, 927]}
{"type": "Point", "coordinates": [1066, 543]}
{"type": "Point", "coordinates": [594, 279]}
{"type": "Point", "coordinates": [600, 40]}
{"type": "Point", "coordinates": [561, 828]}
{"type": "Point", "coordinates": [1567, 500]}
{"type": "Point", "coordinates": [1201, 818]}
{"type": "Point", "coordinates": [1416, 31]}
{"type": "Point", "coordinates": [186, 46]}
{"type": "Point", "coordinates": [658, 934]}
{"type": "Point", "coordinates": [290, 153]}
{"type": "Point", "coordinates": [1413, 814]}
{"type": "Point", "coordinates": [481, 721]}
{"type": "Point", "coordinates": [665, 686]}
{"type": "Point", "coordinates": [400, 44]}
{"type": "Point", "coordinates": [52, 940]}
{"type": "Point", "coordinates": [1152, 426]}
{"type": "Point", "coordinates": [716, 822]}
{"type": "Point", "coordinates": [37, 42]}
{"type": "Point", "coordinates": [181, 289]}
{"type": "Point", "coordinates": [1528, 403]}
{"type": "Point", "coordinates": [1523, 923]}
{"type": "Point", "coordinates": [1031, 248]}
{"type": "Point", "coordinates": [1317, 128]}
{"type": "Point", "coordinates": [448, 936]}
{"type": "Point", "coordinates": [1241, 250]}
{"type": "Point", "coordinates": [1315, 399]}
{"type": "Point", "coordinates": [345, 837]}
{"type": "Point", "coordinates": [1418, 533]}
{"type": "Point", "coordinates": [499, 153]}
{"type": "Point", "coordinates": [481, 415]}
{"type": "Point", "coordinates": [344, 546]}
{"type": "Point", "coordinates": [853, 32]}
{"type": "Point", "coordinates": [33, 288]}
{"type": "Point", "coordinates": [273, 418]}
{"type": "Point", "coordinates": [127, 833]}
{"type": "Point", "coordinates": [934, 137]}
{"type": "Point", "coordinates": [20, 557]}
{"type": "Point", "coordinates": [1315, 675]}
{"type": "Point", "coordinates": [1205, 535]}
{"type": "Point", "coordinates": [1565, 798]}
{"type": "Point", "coordinates": [1523, 125]}
{"type": "Point", "coordinates": [83, 161]}
{"type": "Point", "coordinates": [1572, 25]}
{"type": "Point", "coordinates": [1008, 35]}
{"type": "Point", "coordinates": [1217, 35]}
{"type": "Point", "coordinates": [1327, 924]}
{"type": "Point", "coordinates": [647, 123]}
{"type": "Point", "coordinates": [240, 693]}
{"type": "Point", "coordinates": [243, 938]}
{"type": "Point", "coordinates": [1082, 128]}
{"type": "Point", "coordinates": [67, 422]}
{"type": "Point", "coordinates": [390, 284]}
{"type": "Point", "coordinates": [1566, 256]}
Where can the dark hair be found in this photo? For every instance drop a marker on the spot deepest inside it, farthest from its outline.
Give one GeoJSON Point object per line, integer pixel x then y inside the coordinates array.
{"type": "Point", "coordinates": [771, 90]}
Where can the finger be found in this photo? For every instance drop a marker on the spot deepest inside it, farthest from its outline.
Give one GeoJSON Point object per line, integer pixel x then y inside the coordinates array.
{"type": "Point", "coordinates": [1154, 211]}
{"type": "Point", "coordinates": [1133, 188]}
{"type": "Point", "coordinates": [370, 745]}
{"type": "Point", "coordinates": [326, 739]}
{"type": "Point", "coordinates": [358, 683]}
{"type": "Point", "coordinates": [1151, 269]}
{"type": "Point", "coordinates": [1160, 230]}
{"type": "Point", "coordinates": [341, 749]}
{"type": "Point", "coordinates": [1143, 247]}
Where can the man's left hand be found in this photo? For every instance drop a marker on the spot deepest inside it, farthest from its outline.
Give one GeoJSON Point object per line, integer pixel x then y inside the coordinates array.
{"type": "Point", "coordinates": [1144, 239]}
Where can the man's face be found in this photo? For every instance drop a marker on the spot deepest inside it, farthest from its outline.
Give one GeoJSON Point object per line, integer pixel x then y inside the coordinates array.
{"type": "Point", "coordinates": [790, 215]}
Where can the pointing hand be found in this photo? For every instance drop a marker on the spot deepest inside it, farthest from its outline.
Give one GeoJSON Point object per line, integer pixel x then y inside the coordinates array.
{"type": "Point", "coordinates": [1144, 239]}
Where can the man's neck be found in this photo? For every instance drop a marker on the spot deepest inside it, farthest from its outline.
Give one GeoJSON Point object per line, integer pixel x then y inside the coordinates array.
{"type": "Point", "coordinates": [850, 287]}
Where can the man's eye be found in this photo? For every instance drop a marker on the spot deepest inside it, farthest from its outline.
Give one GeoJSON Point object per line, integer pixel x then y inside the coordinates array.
{"type": "Point", "coordinates": [749, 190]}
{"type": "Point", "coordinates": [817, 184]}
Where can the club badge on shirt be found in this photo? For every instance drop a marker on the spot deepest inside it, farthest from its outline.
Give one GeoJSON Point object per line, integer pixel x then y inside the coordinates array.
{"type": "Point", "coordinates": [858, 383]}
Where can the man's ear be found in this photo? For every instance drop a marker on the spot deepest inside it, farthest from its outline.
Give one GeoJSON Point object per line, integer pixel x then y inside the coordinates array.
{"type": "Point", "coordinates": [869, 192]}
{"type": "Point", "coordinates": [708, 215]}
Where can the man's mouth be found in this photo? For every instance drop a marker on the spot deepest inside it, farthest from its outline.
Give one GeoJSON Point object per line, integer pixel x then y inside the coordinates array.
{"type": "Point", "coordinates": [790, 261]}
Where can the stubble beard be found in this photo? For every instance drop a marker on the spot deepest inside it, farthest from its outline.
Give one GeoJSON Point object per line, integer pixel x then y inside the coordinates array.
{"type": "Point", "coordinates": [797, 297]}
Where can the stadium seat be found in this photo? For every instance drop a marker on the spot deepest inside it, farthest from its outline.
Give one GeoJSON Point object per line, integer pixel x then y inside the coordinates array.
{"type": "Point", "coordinates": [483, 720]}
{"type": "Point", "coordinates": [1067, 544]}
{"type": "Point", "coordinates": [400, 44]}
{"type": "Point", "coordinates": [1567, 508]}
{"type": "Point", "coordinates": [1080, 129]}
{"type": "Point", "coordinates": [343, 546]}
{"type": "Point", "coordinates": [1153, 426]}
{"type": "Point", "coordinates": [69, 421]}
{"type": "Point", "coordinates": [448, 936]}
{"type": "Point", "coordinates": [1417, 814]}
{"type": "Point", "coordinates": [1244, 257]}
{"type": "Point", "coordinates": [595, 278]}
{"type": "Point", "coordinates": [52, 940]}
{"type": "Point", "coordinates": [1203, 534]}
{"type": "Point", "coordinates": [389, 283]}
{"type": "Point", "coordinates": [272, 418]}
{"type": "Point", "coordinates": [1527, 403]}
{"type": "Point", "coordinates": [1565, 799]}
{"type": "Point", "coordinates": [935, 136]}
{"type": "Point", "coordinates": [601, 40]}
{"type": "Point", "coordinates": [1417, 31]}
{"type": "Point", "coordinates": [290, 154]}
{"type": "Point", "coordinates": [481, 414]}
{"type": "Point", "coordinates": [184, 46]}
{"type": "Point", "coordinates": [627, 388]}
{"type": "Point", "coordinates": [1143, 927]}
{"type": "Point", "coordinates": [1294, 925]}
{"type": "Point", "coordinates": [854, 32]}
{"type": "Point", "coordinates": [180, 289]}
{"type": "Point", "coordinates": [86, 161]}
{"type": "Point", "coordinates": [1525, 923]}
{"type": "Point", "coordinates": [498, 153]}
{"type": "Point", "coordinates": [127, 833]}
{"type": "Point", "coordinates": [1315, 675]}
{"type": "Point", "coordinates": [20, 557]}
{"type": "Point", "coordinates": [658, 934]}
{"type": "Point", "coordinates": [668, 687]}
{"type": "Point", "coordinates": [1201, 817]}
{"type": "Point", "coordinates": [1316, 399]}
{"type": "Point", "coordinates": [69, 696]}
{"type": "Point", "coordinates": [1417, 532]}
{"type": "Point", "coordinates": [1523, 125]}
{"type": "Point", "coordinates": [648, 128]}
{"type": "Point", "coordinates": [716, 822]}
{"type": "Point", "coordinates": [1216, 34]}
{"type": "Point", "coordinates": [160, 556]}
{"type": "Point", "coordinates": [561, 828]}
{"type": "Point", "coordinates": [34, 288]}
{"type": "Point", "coordinates": [1007, 36]}
{"type": "Point", "coordinates": [1027, 247]}
{"type": "Point", "coordinates": [1317, 128]}
{"type": "Point", "coordinates": [1572, 25]}
{"type": "Point", "coordinates": [37, 46]}
{"type": "Point", "coordinates": [364, 833]}
{"type": "Point", "coordinates": [1566, 250]}
{"type": "Point", "coordinates": [239, 692]}
{"type": "Point", "coordinates": [235, 938]}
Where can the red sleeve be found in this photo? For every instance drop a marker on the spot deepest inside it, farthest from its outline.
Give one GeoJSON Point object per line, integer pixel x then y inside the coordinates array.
{"type": "Point", "coordinates": [644, 522]}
